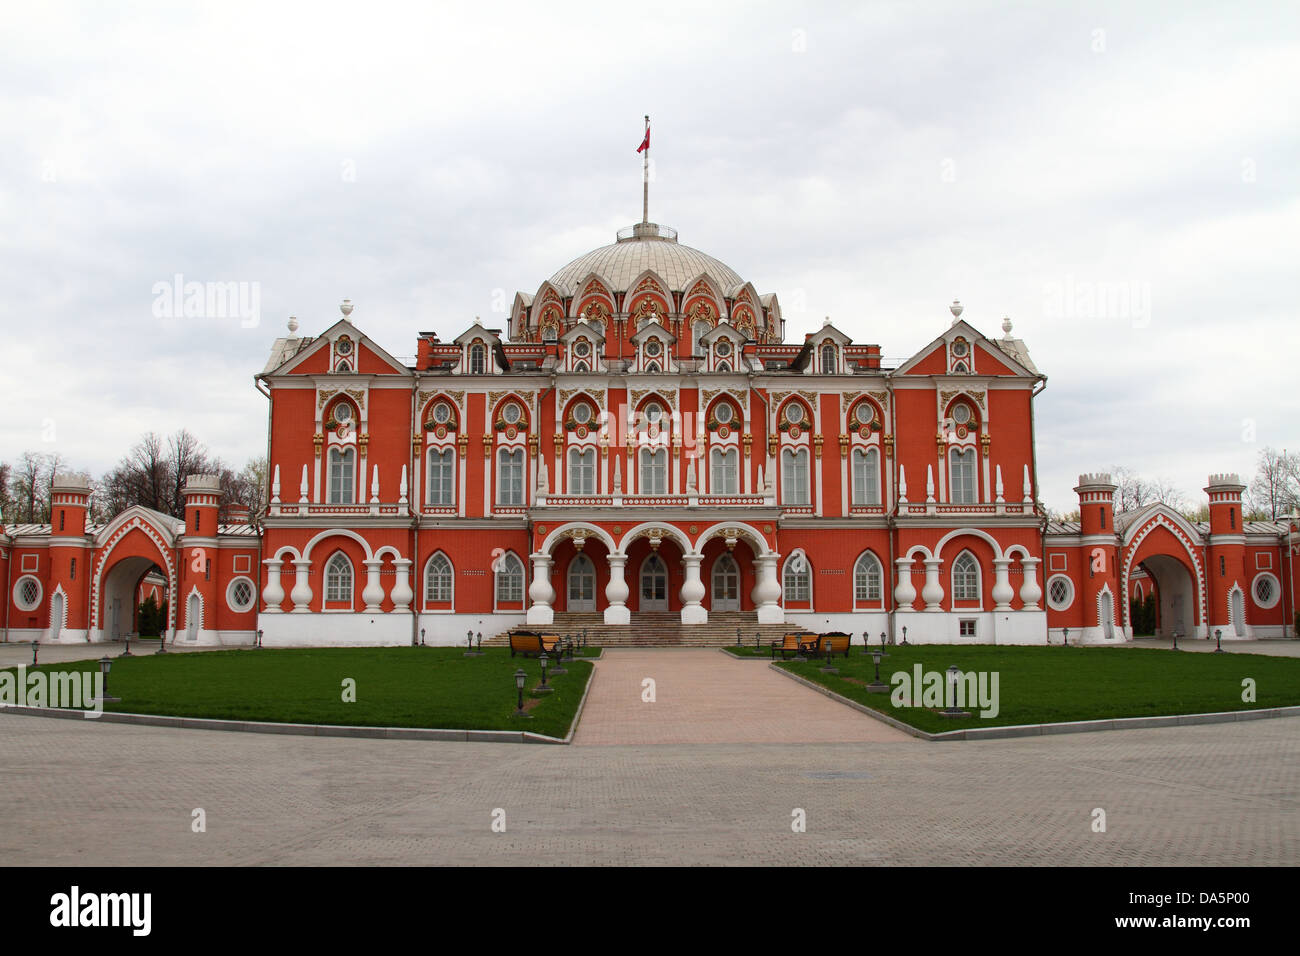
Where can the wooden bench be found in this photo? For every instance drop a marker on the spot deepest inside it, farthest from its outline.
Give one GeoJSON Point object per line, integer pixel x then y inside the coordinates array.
{"type": "Point", "coordinates": [839, 643]}
{"type": "Point", "coordinates": [534, 644]}
{"type": "Point", "coordinates": [798, 644]}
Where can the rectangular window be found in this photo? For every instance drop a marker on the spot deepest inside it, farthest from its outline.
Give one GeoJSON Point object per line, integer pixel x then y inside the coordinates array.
{"type": "Point", "coordinates": [961, 473]}
{"type": "Point", "coordinates": [510, 477]}
{"type": "Point", "coordinates": [724, 472]}
{"type": "Point", "coordinates": [967, 627]}
{"type": "Point", "coordinates": [72, 570]}
{"type": "Point", "coordinates": [866, 477]}
{"type": "Point", "coordinates": [794, 477]}
{"type": "Point", "coordinates": [442, 477]}
{"type": "Point", "coordinates": [654, 472]}
{"type": "Point", "coordinates": [582, 472]}
{"type": "Point", "coordinates": [342, 483]}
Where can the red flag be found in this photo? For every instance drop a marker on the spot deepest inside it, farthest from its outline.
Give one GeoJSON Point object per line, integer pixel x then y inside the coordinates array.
{"type": "Point", "coordinates": [645, 143]}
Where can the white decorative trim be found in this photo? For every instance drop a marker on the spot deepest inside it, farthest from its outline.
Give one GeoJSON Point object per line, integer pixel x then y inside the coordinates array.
{"type": "Point", "coordinates": [1277, 590]}
{"type": "Point", "coordinates": [198, 631]}
{"type": "Point", "coordinates": [1069, 601]}
{"type": "Point", "coordinates": [230, 591]}
{"type": "Point", "coordinates": [40, 593]}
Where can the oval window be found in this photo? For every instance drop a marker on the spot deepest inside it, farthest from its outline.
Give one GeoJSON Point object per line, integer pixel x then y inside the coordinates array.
{"type": "Point", "coordinates": [961, 414]}
{"type": "Point", "coordinates": [794, 413]}
{"type": "Point", "coordinates": [343, 412]}
{"type": "Point", "coordinates": [582, 414]}
{"type": "Point", "coordinates": [511, 413]}
{"type": "Point", "coordinates": [442, 413]}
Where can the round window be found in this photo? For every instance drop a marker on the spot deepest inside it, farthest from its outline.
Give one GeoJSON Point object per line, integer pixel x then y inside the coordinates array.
{"type": "Point", "coordinates": [1060, 593]}
{"type": "Point", "coordinates": [723, 348]}
{"type": "Point", "coordinates": [511, 413]}
{"type": "Point", "coordinates": [794, 413]}
{"type": "Point", "coordinates": [27, 593]}
{"type": "Point", "coordinates": [1266, 590]}
{"type": "Point", "coordinates": [240, 594]}
{"type": "Point", "coordinates": [959, 348]}
{"type": "Point", "coordinates": [866, 414]}
{"type": "Point", "coordinates": [442, 413]}
{"type": "Point", "coordinates": [652, 347]}
{"type": "Point", "coordinates": [722, 413]}
{"type": "Point", "coordinates": [653, 413]}
{"type": "Point", "coordinates": [344, 347]}
{"type": "Point", "coordinates": [582, 413]}
{"type": "Point", "coordinates": [961, 414]}
{"type": "Point", "coordinates": [581, 348]}
{"type": "Point", "coordinates": [343, 412]}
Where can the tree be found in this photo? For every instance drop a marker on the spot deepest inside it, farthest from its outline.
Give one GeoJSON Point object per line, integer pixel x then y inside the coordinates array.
{"type": "Point", "coordinates": [29, 489]}
{"type": "Point", "coordinates": [1133, 491]}
{"type": "Point", "coordinates": [153, 474]}
{"type": "Point", "coordinates": [1275, 489]}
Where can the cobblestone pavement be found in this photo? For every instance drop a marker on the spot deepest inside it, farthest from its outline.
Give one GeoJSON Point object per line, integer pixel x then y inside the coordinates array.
{"type": "Point", "coordinates": [79, 793]}
{"type": "Point", "coordinates": [704, 696]}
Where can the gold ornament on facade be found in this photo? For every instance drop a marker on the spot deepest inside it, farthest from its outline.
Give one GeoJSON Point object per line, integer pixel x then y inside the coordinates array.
{"type": "Point", "coordinates": [462, 443]}
{"type": "Point", "coordinates": [363, 442]}
{"type": "Point", "coordinates": [985, 442]}
{"type": "Point", "coordinates": [318, 439]}
{"type": "Point", "coordinates": [844, 446]}
{"type": "Point", "coordinates": [358, 395]}
{"type": "Point", "coordinates": [817, 446]}
{"type": "Point", "coordinates": [747, 440]}
{"type": "Point", "coordinates": [889, 446]}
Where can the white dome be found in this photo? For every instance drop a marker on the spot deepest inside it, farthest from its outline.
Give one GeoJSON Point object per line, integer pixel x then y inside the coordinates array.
{"type": "Point", "coordinates": [646, 246]}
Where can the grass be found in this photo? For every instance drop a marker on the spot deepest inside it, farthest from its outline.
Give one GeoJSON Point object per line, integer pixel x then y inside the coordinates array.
{"type": "Point", "coordinates": [1040, 685]}
{"type": "Point", "coordinates": [435, 687]}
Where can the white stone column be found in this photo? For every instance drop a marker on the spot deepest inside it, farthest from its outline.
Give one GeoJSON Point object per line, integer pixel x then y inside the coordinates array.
{"type": "Point", "coordinates": [1002, 590]}
{"type": "Point", "coordinates": [402, 593]}
{"type": "Point", "coordinates": [301, 593]}
{"type": "Point", "coordinates": [692, 592]}
{"type": "Point", "coordinates": [273, 593]}
{"type": "Point", "coordinates": [616, 591]}
{"type": "Point", "coordinates": [373, 593]}
{"type": "Point", "coordinates": [1030, 592]}
{"type": "Point", "coordinates": [904, 591]}
{"type": "Point", "coordinates": [932, 591]}
{"type": "Point", "coordinates": [541, 592]}
{"type": "Point", "coordinates": [767, 591]}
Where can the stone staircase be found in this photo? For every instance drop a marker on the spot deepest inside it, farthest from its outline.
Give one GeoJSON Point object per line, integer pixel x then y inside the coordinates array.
{"type": "Point", "coordinates": [663, 629]}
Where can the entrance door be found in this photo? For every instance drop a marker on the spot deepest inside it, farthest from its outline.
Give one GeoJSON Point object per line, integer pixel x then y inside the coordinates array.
{"type": "Point", "coordinates": [115, 619]}
{"type": "Point", "coordinates": [1238, 614]}
{"type": "Point", "coordinates": [1107, 616]}
{"type": "Point", "coordinates": [726, 584]}
{"type": "Point", "coordinates": [56, 616]}
{"type": "Point", "coordinates": [192, 618]}
{"type": "Point", "coordinates": [582, 584]}
{"type": "Point", "coordinates": [654, 584]}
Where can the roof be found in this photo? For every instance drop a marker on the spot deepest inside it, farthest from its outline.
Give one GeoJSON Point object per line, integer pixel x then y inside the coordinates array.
{"type": "Point", "coordinates": [1063, 527]}
{"type": "Point", "coordinates": [283, 350]}
{"type": "Point", "coordinates": [620, 263]}
{"type": "Point", "coordinates": [1017, 350]}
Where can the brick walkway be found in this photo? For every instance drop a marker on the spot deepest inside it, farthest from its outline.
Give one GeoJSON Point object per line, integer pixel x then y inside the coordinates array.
{"type": "Point", "coordinates": [706, 696]}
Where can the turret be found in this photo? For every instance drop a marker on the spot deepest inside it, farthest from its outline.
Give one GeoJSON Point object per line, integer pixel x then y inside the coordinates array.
{"type": "Point", "coordinates": [1225, 504]}
{"type": "Point", "coordinates": [69, 558]}
{"type": "Point", "coordinates": [202, 503]}
{"type": "Point", "coordinates": [1096, 503]}
{"type": "Point", "coordinates": [1227, 576]}
{"type": "Point", "coordinates": [69, 499]}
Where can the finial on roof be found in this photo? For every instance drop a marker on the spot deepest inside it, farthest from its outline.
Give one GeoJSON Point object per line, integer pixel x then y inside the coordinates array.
{"type": "Point", "coordinates": [346, 307]}
{"type": "Point", "coordinates": [1006, 325]}
{"type": "Point", "coordinates": [293, 325]}
{"type": "Point", "coordinates": [478, 321]}
{"type": "Point", "coordinates": [826, 321]}
{"type": "Point", "coordinates": [956, 309]}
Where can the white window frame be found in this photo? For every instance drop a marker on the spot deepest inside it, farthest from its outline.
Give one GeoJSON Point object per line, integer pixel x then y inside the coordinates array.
{"type": "Point", "coordinates": [724, 471]}
{"type": "Point", "coordinates": [582, 471]}
{"type": "Point", "coordinates": [829, 368]}
{"type": "Point", "coordinates": [862, 580]}
{"type": "Point", "coordinates": [963, 493]}
{"type": "Point", "coordinates": [450, 580]}
{"type": "Point", "coordinates": [252, 594]}
{"type": "Point", "coordinates": [330, 581]}
{"type": "Point", "coordinates": [961, 559]}
{"type": "Point", "coordinates": [446, 468]}
{"type": "Point", "coordinates": [342, 489]}
{"type": "Point", "coordinates": [787, 569]}
{"type": "Point", "coordinates": [795, 478]}
{"type": "Point", "coordinates": [654, 467]}
{"type": "Point", "coordinates": [508, 569]}
{"type": "Point", "coordinates": [1277, 590]}
{"type": "Point", "coordinates": [477, 361]}
{"type": "Point", "coordinates": [18, 590]}
{"type": "Point", "coordinates": [1069, 597]}
{"type": "Point", "coordinates": [510, 477]}
{"type": "Point", "coordinates": [869, 458]}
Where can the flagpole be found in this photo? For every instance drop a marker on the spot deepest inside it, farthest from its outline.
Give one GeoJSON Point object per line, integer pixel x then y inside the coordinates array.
{"type": "Point", "coordinates": [645, 178]}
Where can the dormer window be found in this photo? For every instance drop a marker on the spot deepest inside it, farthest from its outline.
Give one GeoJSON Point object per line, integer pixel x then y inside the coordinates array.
{"type": "Point", "coordinates": [653, 348]}
{"type": "Point", "coordinates": [828, 359]}
{"type": "Point", "coordinates": [477, 359]}
{"type": "Point", "coordinates": [581, 348]}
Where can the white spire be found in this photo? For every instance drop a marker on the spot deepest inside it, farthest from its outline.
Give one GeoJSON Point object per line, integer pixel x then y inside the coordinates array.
{"type": "Point", "coordinates": [401, 488]}
{"type": "Point", "coordinates": [275, 486]}
{"type": "Point", "coordinates": [929, 483]}
{"type": "Point", "coordinates": [374, 485]}
{"type": "Point", "coordinates": [902, 485]}
{"type": "Point", "coordinates": [1029, 496]}
{"type": "Point", "coordinates": [998, 485]}
{"type": "Point", "coordinates": [302, 487]}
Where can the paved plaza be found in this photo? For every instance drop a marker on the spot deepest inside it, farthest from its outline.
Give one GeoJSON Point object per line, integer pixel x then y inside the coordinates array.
{"type": "Point", "coordinates": [81, 793]}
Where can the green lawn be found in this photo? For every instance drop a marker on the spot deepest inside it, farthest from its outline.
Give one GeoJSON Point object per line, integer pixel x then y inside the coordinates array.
{"type": "Point", "coordinates": [434, 687]}
{"type": "Point", "coordinates": [1038, 685]}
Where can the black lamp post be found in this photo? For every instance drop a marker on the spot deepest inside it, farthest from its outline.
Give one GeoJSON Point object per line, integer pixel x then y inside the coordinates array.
{"type": "Point", "coordinates": [866, 643]}
{"type": "Point", "coordinates": [954, 675]}
{"type": "Point", "coordinates": [544, 688]}
{"type": "Point", "coordinates": [162, 641]}
{"type": "Point", "coordinates": [127, 652]}
{"type": "Point", "coordinates": [1065, 638]}
{"type": "Point", "coordinates": [882, 645]}
{"type": "Point", "coordinates": [478, 643]}
{"type": "Point", "coordinates": [904, 633]}
{"type": "Point", "coordinates": [756, 640]}
{"type": "Point", "coordinates": [1175, 638]}
{"type": "Point", "coordinates": [35, 651]}
{"type": "Point", "coordinates": [738, 637]}
{"type": "Point", "coordinates": [876, 687]}
{"type": "Point", "coordinates": [422, 637]}
{"type": "Point", "coordinates": [520, 678]}
{"type": "Point", "coordinates": [1218, 640]}
{"type": "Point", "coordinates": [559, 660]}
{"type": "Point", "coordinates": [828, 668]}
{"type": "Point", "coordinates": [105, 665]}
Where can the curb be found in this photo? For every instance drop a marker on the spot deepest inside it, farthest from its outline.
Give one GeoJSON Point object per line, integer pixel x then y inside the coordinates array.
{"type": "Point", "coordinates": [1040, 730]}
{"type": "Point", "coordinates": [313, 730]}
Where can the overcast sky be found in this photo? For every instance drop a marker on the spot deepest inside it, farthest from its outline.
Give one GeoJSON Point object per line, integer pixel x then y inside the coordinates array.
{"type": "Point", "coordinates": [1121, 180]}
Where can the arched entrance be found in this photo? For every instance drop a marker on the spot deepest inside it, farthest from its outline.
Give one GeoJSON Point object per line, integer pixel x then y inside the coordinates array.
{"type": "Point", "coordinates": [193, 611]}
{"type": "Point", "coordinates": [1237, 605]}
{"type": "Point", "coordinates": [653, 592]}
{"type": "Point", "coordinates": [56, 615]}
{"type": "Point", "coordinates": [1176, 590]}
{"type": "Point", "coordinates": [120, 588]}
